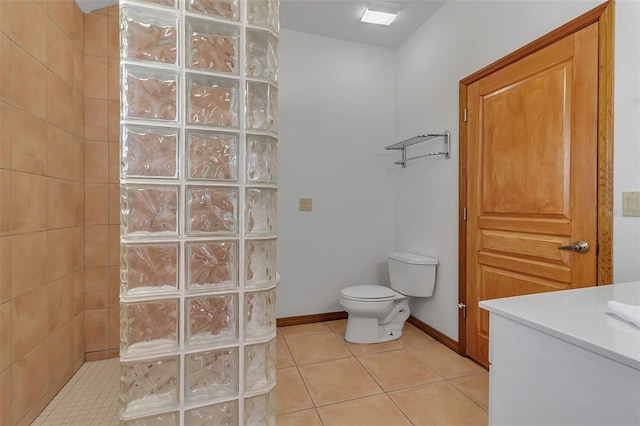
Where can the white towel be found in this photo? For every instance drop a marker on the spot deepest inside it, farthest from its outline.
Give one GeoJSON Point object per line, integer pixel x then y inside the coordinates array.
{"type": "Point", "coordinates": [627, 312]}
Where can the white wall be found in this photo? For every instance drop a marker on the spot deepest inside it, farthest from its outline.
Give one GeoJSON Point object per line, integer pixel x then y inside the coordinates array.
{"type": "Point", "coordinates": [462, 37]}
{"type": "Point", "coordinates": [336, 116]}
{"type": "Point", "coordinates": [626, 158]}
{"type": "Point", "coordinates": [340, 104]}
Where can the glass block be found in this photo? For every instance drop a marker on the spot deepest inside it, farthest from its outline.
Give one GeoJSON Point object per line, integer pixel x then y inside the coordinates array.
{"type": "Point", "coordinates": [261, 210]}
{"type": "Point", "coordinates": [212, 265]}
{"type": "Point", "coordinates": [165, 419]}
{"type": "Point", "coordinates": [260, 266]}
{"type": "Point", "coordinates": [147, 35]}
{"type": "Point", "coordinates": [146, 386]}
{"type": "Point", "coordinates": [225, 9]}
{"type": "Point", "coordinates": [212, 210]}
{"type": "Point", "coordinates": [260, 410]}
{"type": "Point", "coordinates": [148, 326]}
{"type": "Point", "coordinates": [168, 3]}
{"type": "Point", "coordinates": [149, 94]}
{"type": "Point", "coordinates": [260, 366]}
{"type": "Point", "coordinates": [222, 414]}
{"type": "Point", "coordinates": [149, 152]}
{"type": "Point", "coordinates": [212, 155]}
{"type": "Point", "coordinates": [262, 55]}
{"type": "Point", "coordinates": [212, 101]}
{"type": "Point", "coordinates": [212, 46]}
{"type": "Point", "coordinates": [262, 107]}
{"type": "Point", "coordinates": [212, 319]}
{"type": "Point", "coordinates": [149, 210]}
{"type": "Point", "coordinates": [147, 268]}
{"type": "Point", "coordinates": [264, 13]}
{"type": "Point", "coordinates": [262, 159]}
{"type": "Point", "coordinates": [260, 314]}
{"type": "Point", "coordinates": [211, 375]}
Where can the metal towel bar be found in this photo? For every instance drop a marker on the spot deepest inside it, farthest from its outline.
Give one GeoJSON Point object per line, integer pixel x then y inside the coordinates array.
{"type": "Point", "coordinates": [418, 139]}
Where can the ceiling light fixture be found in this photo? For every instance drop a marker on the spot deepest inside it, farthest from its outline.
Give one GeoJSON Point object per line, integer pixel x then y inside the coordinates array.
{"type": "Point", "coordinates": [380, 13]}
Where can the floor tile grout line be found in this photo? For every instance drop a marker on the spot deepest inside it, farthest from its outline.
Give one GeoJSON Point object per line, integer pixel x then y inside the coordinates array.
{"type": "Point", "coordinates": [368, 396]}
{"type": "Point", "coordinates": [406, 416]}
{"type": "Point", "coordinates": [297, 366]}
{"type": "Point", "coordinates": [286, 413]}
{"type": "Point", "coordinates": [405, 348]}
{"type": "Point", "coordinates": [308, 335]}
{"type": "Point", "coordinates": [476, 373]}
{"type": "Point", "coordinates": [306, 387]}
{"type": "Point", "coordinates": [382, 391]}
{"type": "Point", "coordinates": [295, 363]}
{"type": "Point", "coordinates": [316, 406]}
{"type": "Point", "coordinates": [467, 396]}
{"type": "Point", "coordinates": [370, 375]}
{"type": "Point", "coordinates": [300, 411]}
{"type": "Point", "coordinates": [427, 365]}
{"type": "Point", "coordinates": [407, 387]}
{"type": "Point", "coordinates": [351, 399]}
{"type": "Point", "coordinates": [324, 360]}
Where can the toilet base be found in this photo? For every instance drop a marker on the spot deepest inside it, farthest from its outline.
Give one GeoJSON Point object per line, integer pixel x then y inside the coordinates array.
{"type": "Point", "coordinates": [367, 329]}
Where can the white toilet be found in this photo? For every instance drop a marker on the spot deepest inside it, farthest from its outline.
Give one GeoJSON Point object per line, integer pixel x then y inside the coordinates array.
{"type": "Point", "coordinates": [378, 313]}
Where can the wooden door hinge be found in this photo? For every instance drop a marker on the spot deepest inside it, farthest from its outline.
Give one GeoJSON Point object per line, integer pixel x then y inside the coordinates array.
{"type": "Point", "coordinates": [464, 213]}
{"type": "Point", "coordinates": [464, 113]}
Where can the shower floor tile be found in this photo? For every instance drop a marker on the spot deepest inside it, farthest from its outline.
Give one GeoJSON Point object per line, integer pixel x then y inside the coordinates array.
{"type": "Point", "coordinates": [89, 398]}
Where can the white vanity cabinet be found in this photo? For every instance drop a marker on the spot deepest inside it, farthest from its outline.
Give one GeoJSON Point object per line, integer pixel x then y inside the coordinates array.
{"type": "Point", "coordinates": [560, 359]}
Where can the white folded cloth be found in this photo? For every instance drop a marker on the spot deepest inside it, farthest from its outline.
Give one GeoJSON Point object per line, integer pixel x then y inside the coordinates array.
{"type": "Point", "coordinates": [627, 312]}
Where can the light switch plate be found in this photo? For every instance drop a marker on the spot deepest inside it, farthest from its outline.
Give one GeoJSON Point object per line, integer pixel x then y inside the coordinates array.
{"type": "Point", "coordinates": [306, 204]}
{"type": "Point", "coordinates": [631, 204]}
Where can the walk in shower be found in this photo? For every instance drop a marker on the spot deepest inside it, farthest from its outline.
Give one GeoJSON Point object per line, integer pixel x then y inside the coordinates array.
{"type": "Point", "coordinates": [143, 228]}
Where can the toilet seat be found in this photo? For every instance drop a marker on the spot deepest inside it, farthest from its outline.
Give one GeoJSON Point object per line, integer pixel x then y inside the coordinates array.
{"type": "Point", "coordinates": [368, 293]}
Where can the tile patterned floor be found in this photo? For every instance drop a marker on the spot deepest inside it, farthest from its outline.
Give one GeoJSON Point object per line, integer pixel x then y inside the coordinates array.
{"type": "Point", "coordinates": [323, 380]}
{"type": "Point", "coordinates": [89, 398]}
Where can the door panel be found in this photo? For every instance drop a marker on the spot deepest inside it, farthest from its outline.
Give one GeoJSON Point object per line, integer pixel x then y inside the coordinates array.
{"type": "Point", "coordinates": [537, 225]}
{"type": "Point", "coordinates": [535, 268]}
{"type": "Point", "coordinates": [525, 244]}
{"type": "Point", "coordinates": [532, 178]}
{"type": "Point", "coordinates": [510, 180]}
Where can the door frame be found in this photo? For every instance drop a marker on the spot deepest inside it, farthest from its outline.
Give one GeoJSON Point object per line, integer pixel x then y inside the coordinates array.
{"type": "Point", "coordinates": [604, 16]}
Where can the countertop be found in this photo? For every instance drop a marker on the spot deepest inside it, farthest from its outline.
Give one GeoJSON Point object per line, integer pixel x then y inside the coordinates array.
{"type": "Point", "coordinates": [580, 317]}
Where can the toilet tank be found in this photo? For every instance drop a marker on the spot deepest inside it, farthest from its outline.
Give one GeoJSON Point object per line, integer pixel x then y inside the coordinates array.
{"type": "Point", "coordinates": [412, 274]}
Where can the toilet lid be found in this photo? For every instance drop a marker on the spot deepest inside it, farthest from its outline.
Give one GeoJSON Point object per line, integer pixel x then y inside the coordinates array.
{"type": "Point", "coordinates": [376, 293]}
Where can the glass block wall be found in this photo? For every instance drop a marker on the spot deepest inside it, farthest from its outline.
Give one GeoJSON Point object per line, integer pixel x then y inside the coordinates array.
{"type": "Point", "coordinates": [198, 146]}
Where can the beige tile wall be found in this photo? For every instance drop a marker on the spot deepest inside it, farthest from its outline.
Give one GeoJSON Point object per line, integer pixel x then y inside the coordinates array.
{"type": "Point", "coordinates": [102, 218]}
{"type": "Point", "coordinates": [41, 203]}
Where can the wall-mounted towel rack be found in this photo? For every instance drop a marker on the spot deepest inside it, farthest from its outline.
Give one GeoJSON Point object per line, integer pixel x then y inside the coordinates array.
{"type": "Point", "coordinates": [417, 139]}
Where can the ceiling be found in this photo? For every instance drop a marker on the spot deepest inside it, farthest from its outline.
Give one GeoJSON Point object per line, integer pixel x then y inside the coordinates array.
{"type": "Point", "coordinates": [337, 18]}
{"type": "Point", "coordinates": [341, 19]}
{"type": "Point", "coordinates": [91, 5]}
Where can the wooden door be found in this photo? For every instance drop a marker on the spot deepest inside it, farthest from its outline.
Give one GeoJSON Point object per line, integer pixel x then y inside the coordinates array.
{"type": "Point", "coordinates": [532, 178]}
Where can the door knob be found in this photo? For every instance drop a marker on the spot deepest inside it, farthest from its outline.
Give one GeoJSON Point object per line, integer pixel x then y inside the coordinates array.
{"type": "Point", "coordinates": [579, 247]}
